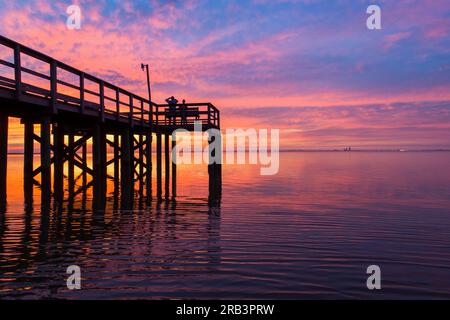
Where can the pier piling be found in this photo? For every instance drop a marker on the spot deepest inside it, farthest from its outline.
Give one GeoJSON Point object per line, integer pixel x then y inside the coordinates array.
{"type": "Point", "coordinates": [58, 169]}
{"type": "Point", "coordinates": [158, 166]}
{"type": "Point", "coordinates": [3, 159]}
{"type": "Point", "coordinates": [174, 167]}
{"type": "Point", "coordinates": [167, 164]}
{"type": "Point", "coordinates": [46, 176]}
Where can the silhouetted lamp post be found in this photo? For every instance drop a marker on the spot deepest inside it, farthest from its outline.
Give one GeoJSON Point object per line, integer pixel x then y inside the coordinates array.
{"type": "Point", "coordinates": [145, 67]}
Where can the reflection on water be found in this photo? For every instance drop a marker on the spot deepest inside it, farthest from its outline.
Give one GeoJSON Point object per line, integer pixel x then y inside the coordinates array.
{"type": "Point", "coordinates": [309, 232]}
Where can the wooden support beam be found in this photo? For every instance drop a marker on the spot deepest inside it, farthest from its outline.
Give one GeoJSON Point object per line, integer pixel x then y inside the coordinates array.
{"type": "Point", "coordinates": [126, 160]}
{"type": "Point", "coordinates": [58, 168]}
{"type": "Point", "coordinates": [71, 169]}
{"type": "Point", "coordinates": [75, 146]}
{"type": "Point", "coordinates": [54, 85]}
{"type": "Point", "coordinates": [46, 176]}
{"type": "Point", "coordinates": [141, 164]}
{"type": "Point", "coordinates": [148, 155]}
{"type": "Point", "coordinates": [174, 167]}
{"type": "Point", "coordinates": [3, 159]}
{"type": "Point", "coordinates": [115, 144]}
{"type": "Point", "coordinates": [18, 71]}
{"type": "Point", "coordinates": [126, 168]}
{"type": "Point", "coordinates": [116, 160]}
{"type": "Point", "coordinates": [99, 168]}
{"type": "Point", "coordinates": [28, 154]}
{"type": "Point", "coordinates": [159, 165]}
{"type": "Point", "coordinates": [83, 189]}
{"type": "Point", "coordinates": [215, 173]}
{"type": "Point", "coordinates": [84, 162]}
{"type": "Point", "coordinates": [83, 166]}
{"type": "Point", "coordinates": [28, 151]}
{"type": "Point", "coordinates": [167, 164]}
{"type": "Point", "coordinates": [78, 157]}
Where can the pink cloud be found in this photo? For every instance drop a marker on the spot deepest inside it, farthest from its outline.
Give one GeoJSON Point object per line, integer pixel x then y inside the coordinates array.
{"type": "Point", "coordinates": [395, 38]}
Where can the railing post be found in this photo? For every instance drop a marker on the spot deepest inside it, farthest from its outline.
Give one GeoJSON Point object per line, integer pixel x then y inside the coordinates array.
{"type": "Point", "coordinates": [218, 119]}
{"type": "Point", "coordinates": [117, 104]}
{"type": "Point", "coordinates": [54, 85]}
{"type": "Point", "coordinates": [151, 115]}
{"type": "Point", "coordinates": [17, 71]}
{"type": "Point", "coordinates": [209, 114]}
{"type": "Point", "coordinates": [142, 112]}
{"type": "Point", "coordinates": [102, 101]}
{"type": "Point", "coordinates": [131, 110]}
{"type": "Point", "coordinates": [82, 106]}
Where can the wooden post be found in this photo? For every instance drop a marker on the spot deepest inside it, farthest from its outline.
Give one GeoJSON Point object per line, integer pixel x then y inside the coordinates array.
{"type": "Point", "coordinates": [131, 111]}
{"type": "Point", "coordinates": [58, 168]}
{"type": "Point", "coordinates": [46, 175]}
{"type": "Point", "coordinates": [141, 165]}
{"type": "Point", "coordinates": [174, 167]}
{"type": "Point", "coordinates": [99, 165]}
{"type": "Point", "coordinates": [215, 171]}
{"type": "Point", "coordinates": [117, 104]}
{"type": "Point", "coordinates": [126, 166]}
{"type": "Point", "coordinates": [209, 114]}
{"type": "Point", "coordinates": [218, 119]}
{"type": "Point", "coordinates": [85, 163]}
{"type": "Point", "coordinates": [3, 158]}
{"type": "Point", "coordinates": [167, 162]}
{"type": "Point", "coordinates": [54, 84]}
{"type": "Point", "coordinates": [158, 165]}
{"type": "Point", "coordinates": [82, 103]}
{"type": "Point", "coordinates": [28, 154]}
{"type": "Point", "coordinates": [71, 172]}
{"type": "Point", "coordinates": [28, 151]}
{"type": "Point", "coordinates": [127, 170]}
{"type": "Point", "coordinates": [116, 162]}
{"type": "Point", "coordinates": [148, 155]}
{"type": "Point", "coordinates": [102, 101]}
{"type": "Point", "coordinates": [18, 71]}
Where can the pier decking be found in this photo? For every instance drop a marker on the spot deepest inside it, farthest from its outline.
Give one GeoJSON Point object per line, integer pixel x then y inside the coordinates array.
{"type": "Point", "coordinates": [67, 102]}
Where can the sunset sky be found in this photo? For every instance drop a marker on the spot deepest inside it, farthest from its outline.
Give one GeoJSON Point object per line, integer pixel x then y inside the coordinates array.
{"type": "Point", "coordinates": [308, 67]}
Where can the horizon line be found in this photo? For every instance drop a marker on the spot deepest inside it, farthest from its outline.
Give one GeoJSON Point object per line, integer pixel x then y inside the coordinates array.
{"type": "Point", "coordinates": [308, 150]}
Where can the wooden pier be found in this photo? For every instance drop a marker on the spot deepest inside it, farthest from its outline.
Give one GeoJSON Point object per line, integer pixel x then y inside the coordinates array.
{"type": "Point", "coordinates": [69, 108]}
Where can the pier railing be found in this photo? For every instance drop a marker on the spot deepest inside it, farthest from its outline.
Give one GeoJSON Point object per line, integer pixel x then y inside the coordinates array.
{"type": "Point", "coordinates": [49, 82]}
{"type": "Point", "coordinates": [181, 115]}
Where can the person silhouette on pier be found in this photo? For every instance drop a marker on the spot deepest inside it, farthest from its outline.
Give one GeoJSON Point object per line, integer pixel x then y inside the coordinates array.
{"type": "Point", "coordinates": [172, 102]}
{"type": "Point", "coordinates": [183, 113]}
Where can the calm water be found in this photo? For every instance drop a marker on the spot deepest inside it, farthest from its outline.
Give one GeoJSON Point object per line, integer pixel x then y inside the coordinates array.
{"type": "Point", "coordinates": [310, 232]}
